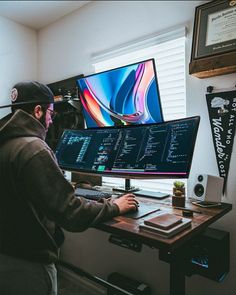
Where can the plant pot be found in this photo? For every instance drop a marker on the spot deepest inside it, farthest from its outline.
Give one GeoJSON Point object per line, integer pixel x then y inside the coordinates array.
{"type": "Point", "coordinates": [178, 201]}
{"type": "Point", "coordinates": [176, 190]}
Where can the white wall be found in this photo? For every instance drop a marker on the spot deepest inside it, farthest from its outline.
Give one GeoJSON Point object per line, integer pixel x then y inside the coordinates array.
{"type": "Point", "coordinates": [64, 50]}
{"type": "Point", "coordinates": [18, 57]}
{"type": "Point", "coordinates": [66, 47]}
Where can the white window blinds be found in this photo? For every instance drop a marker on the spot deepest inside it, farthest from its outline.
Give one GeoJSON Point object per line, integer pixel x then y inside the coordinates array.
{"type": "Point", "coordinates": [170, 66]}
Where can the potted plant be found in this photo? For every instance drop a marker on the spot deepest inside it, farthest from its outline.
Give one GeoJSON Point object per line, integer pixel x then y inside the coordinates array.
{"type": "Point", "coordinates": [178, 198]}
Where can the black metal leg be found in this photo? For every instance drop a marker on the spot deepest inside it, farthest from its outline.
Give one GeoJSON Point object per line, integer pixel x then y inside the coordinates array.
{"type": "Point", "coordinates": [177, 261]}
{"type": "Point", "coordinates": [177, 279]}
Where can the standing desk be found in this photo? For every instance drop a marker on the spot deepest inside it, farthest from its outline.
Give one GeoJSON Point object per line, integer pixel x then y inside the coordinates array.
{"type": "Point", "coordinates": [171, 250]}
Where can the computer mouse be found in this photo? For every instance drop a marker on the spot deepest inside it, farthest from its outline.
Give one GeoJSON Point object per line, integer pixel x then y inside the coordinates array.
{"type": "Point", "coordinates": [136, 207]}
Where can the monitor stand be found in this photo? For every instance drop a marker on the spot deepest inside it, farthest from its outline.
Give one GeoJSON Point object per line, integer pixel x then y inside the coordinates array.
{"type": "Point", "coordinates": [140, 192]}
{"type": "Point", "coordinates": [127, 188]}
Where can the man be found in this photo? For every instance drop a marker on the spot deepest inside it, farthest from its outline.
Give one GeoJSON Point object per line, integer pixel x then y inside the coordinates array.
{"type": "Point", "coordinates": [36, 199]}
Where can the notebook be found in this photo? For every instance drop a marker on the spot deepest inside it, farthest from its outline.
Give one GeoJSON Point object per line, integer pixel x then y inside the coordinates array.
{"type": "Point", "coordinates": [185, 223]}
{"type": "Point", "coordinates": [164, 221]}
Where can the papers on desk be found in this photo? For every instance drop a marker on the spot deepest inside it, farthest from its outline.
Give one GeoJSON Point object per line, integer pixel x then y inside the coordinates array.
{"type": "Point", "coordinates": [172, 225]}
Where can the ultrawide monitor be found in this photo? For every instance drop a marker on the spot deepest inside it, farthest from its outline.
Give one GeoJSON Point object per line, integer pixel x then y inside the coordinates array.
{"type": "Point", "coordinates": [127, 95]}
{"type": "Point", "coordinates": [152, 150]}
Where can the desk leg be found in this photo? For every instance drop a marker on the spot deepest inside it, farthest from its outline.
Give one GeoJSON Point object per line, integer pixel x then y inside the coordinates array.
{"type": "Point", "coordinates": [177, 279]}
{"type": "Point", "coordinates": [176, 260]}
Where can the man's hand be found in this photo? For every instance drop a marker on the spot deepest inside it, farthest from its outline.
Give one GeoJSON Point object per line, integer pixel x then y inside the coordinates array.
{"type": "Point", "coordinates": [126, 203]}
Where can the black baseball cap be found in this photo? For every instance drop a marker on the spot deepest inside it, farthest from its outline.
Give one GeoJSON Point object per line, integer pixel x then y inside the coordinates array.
{"type": "Point", "coordinates": [30, 92]}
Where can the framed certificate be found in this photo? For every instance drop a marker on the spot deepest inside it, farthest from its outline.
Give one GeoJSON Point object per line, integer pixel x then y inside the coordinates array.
{"type": "Point", "coordinates": [214, 35]}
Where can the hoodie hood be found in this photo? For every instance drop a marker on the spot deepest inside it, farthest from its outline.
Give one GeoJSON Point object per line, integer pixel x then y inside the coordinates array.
{"type": "Point", "coordinates": [20, 124]}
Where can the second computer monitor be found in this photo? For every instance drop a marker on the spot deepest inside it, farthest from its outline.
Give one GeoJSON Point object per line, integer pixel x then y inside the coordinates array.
{"type": "Point", "coordinates": [127, 95]}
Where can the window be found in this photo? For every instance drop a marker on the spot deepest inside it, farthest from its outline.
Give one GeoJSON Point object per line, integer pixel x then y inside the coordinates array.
{"type": "Point", "coordinates": [168, 50]}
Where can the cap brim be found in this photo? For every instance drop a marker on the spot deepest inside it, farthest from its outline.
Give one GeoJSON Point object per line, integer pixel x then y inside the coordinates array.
{"type": "Point", "coordinates": [39, 102]}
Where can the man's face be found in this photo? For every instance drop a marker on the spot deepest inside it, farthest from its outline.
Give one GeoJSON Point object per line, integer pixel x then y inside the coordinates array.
{"type": "Point", "coordinates": [47, 117]}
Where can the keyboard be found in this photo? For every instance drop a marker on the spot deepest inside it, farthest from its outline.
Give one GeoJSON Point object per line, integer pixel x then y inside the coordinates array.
{"type": "Point", "coordinates": [91, 194]}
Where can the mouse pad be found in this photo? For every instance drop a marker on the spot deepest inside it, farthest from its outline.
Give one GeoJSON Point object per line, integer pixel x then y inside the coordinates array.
{"type": "Point", "coordinates": [143, 210]}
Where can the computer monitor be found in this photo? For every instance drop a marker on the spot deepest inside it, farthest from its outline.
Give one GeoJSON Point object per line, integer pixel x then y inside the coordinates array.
{"type": "Point", "coordinates": [160, 150]}
{"type": "Point", "coordinates": [127, 95]}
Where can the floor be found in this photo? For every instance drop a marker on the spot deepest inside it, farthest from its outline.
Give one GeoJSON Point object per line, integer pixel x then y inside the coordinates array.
{"type": "Point", "coordinates": [66, 287]}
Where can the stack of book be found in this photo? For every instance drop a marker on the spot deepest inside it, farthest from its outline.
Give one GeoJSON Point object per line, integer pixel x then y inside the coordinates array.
{"type": "Point", "coordinates": [165, 224]}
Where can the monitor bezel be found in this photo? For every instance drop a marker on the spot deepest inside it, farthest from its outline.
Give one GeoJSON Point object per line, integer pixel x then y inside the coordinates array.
{"type": "Point", "coordinates": [134, 175]}
{"type": "Point", "coordinates": [117, 68]}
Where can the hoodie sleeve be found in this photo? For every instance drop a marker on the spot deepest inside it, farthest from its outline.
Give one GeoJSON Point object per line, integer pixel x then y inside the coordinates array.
{"type": "Point", "coordinates": [48, 190]}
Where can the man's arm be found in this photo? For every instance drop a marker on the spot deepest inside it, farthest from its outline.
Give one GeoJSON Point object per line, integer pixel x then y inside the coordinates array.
{"type": "Point", "coordinates": [50, 193]}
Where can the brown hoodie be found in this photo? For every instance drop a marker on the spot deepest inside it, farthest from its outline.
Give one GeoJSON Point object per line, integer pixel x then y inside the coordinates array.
{"type": "Point", "coordinates": [35, 197]}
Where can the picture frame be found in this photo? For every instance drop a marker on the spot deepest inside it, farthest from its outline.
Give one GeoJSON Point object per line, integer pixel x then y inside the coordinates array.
{"type": "Point", "coordinates": [214, 39]}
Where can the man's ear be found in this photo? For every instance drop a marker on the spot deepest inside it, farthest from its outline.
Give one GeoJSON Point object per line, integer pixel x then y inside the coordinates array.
{"type": "Point", "coordinates": [38, 112]}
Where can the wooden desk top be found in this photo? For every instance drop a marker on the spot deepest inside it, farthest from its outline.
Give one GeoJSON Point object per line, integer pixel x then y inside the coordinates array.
{"type": "Point", "coordinates": [129, 228]}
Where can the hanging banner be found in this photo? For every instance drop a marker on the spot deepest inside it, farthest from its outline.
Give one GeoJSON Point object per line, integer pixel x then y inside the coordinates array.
{"type": "Point", "coordinates": [222, 115]}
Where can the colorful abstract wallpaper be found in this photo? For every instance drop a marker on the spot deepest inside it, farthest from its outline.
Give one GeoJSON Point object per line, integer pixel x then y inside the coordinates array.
{"type": "Point", "coordinates": [128, 95]}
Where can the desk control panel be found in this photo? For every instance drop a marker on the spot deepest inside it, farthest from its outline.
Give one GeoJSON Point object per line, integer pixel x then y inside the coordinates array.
{"type": "Point", "coordinates": [126, 243]}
